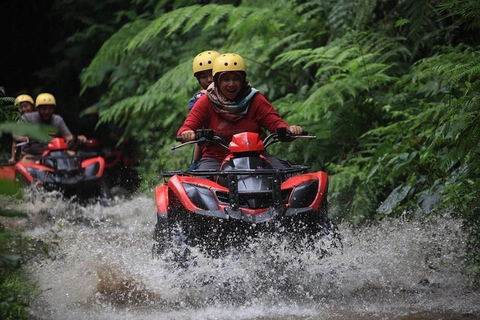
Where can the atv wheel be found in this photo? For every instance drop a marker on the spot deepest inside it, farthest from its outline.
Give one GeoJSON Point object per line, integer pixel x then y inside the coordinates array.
{"type": "Point", "coordinates": [105, 195]}
{"type": "Point", "coordinates": [160, 237]}
{"type": "Point", "coordinates": [326, 232]}
{"type": "Point", "coordinates": [171, 243]}
{"type": "Point", "coordinates": [182, 255]}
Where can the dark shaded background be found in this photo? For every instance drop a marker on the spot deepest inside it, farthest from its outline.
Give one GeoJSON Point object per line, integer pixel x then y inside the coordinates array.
{"type": "Point", "coordinates": [28, 33]}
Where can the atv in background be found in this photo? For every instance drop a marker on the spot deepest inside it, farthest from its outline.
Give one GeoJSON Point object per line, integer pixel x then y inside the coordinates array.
{"type": "Point", "coordinates": [121, 175]}
{"type": "Point", "coordinates": [74, 174]}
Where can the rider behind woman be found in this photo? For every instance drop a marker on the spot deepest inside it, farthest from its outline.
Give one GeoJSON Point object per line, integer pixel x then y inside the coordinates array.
{"type": "Point", "coordinates": [231, 106]}
{"type": "Point", "coordinates": [202, 70]}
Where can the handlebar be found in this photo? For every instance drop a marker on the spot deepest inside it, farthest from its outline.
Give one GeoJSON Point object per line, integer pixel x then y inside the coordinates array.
{"type": "Point", "coordinates": [203, 136]}
{"type": "Point", "coordinates": [69, 143]}
{"type": "Point", "coordinates": [20, 144]}
{"type": "Point", "coordinates": [208, 135]}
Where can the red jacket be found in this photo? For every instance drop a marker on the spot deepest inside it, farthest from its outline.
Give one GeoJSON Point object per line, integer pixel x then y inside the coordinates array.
{"type": "Point", "coordinates": [260, 114]}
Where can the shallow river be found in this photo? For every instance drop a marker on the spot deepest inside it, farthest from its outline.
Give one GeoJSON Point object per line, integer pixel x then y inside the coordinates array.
{"type": "Point", "coordinates": [102, 268]}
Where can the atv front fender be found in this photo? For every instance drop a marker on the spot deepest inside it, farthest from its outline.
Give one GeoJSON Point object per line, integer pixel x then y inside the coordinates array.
{"type": "Point", "coordinates": [161, 198]}
{"type": "Point", "coordinates": [97, 164]}
{"type": "Point", "coordinates": [22, 169]}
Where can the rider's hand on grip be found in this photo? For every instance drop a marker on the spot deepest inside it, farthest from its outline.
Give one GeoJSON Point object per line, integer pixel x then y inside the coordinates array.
{"type": "Point", "coordinates": [296, 130]}
{"type": "Point", "coordinates": [81, 138]}
{"type": "Point", "coordinates": [188, 135]}
{"type": "Point", "coordinates": [19, 139]}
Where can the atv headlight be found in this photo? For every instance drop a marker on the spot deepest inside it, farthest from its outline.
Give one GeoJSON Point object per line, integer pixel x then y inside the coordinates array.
{"type": "Point", "coordinates": [201, 197]}
{"type": "Point", "coordinates": [304, 194]}
{"type": "Point", "coordinates": [92, 170]}
{"type": "Point", "coordinates": [35, 173]}
{"type": "Point", "coordinates": [30, 169]}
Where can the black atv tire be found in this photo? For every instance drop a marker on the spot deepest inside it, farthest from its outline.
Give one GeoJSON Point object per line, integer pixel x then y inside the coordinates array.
{"type": "Point", "coordinates": [327, 231]}
{"type": "Point", "coordinates": [166, 236]}
{"type": "Point", "coordinates": [104, 192]}
{"type": "Point", "coordinates": [161, 236]}
{"type": "Point", "coordinates": [171, 239]}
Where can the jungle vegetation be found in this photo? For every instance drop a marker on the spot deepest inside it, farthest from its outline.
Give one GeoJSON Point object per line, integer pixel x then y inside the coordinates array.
{"type": "Point", "coordinates": [16, 289]}
{"type": "Point", "coordinates": [389, 87]}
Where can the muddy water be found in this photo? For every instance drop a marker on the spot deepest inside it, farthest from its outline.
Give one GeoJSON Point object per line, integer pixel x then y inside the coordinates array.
{"type": "Point", "coordinates": [101, 268]}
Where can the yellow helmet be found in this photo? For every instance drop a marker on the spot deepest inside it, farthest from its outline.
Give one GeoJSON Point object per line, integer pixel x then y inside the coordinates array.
{"type": "Point", "coordinates": [229, 62]}
{"type": "Point", "coordinates": [204, 61]}
{"type": "Point", "coordinates": [23, 98]}
{"type": "Point", "coordinates": [45, 99]}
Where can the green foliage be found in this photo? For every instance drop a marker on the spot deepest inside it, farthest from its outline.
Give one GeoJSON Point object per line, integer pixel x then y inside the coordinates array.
{"type": "Point", "coordinates": [460, 193]}
{"type": "Point", "coordinates": [348, 72]}
{"type": "Point", "coordinates": [468, 12]}
{"type": "Point", "coordinates": [37, 132]}
{"type": "Point", "coordinates": [427, 139]}
{"type": "Point", "coordinates": [16, 291]}
{"type": "Point", "coordinates": [8, 111]}
{"type": "Point", "coordinates": [110, 54]}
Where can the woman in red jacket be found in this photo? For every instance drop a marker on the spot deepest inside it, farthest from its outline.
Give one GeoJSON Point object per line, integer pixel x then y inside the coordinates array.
{"type": "Point", "coordinates": [231, 106]}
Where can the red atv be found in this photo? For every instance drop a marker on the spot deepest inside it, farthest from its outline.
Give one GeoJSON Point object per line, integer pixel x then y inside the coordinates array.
{"type": "Point", "coordinates": [78, 175]}
{"type": "Point", "coordinates": [120, 164]}
{"type": "Point", "coordinates": [245, 197]}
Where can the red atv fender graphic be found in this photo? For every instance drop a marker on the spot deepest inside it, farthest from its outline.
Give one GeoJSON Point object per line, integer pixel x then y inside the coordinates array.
{"type": "Point", "coordinates": [299, 180]}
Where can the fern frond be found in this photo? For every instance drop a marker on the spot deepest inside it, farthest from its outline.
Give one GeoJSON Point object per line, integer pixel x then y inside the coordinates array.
{"type": "Point", "coordinates": [294, 58]}
{"type": "Point", "coordinates": [341, 14]}
{"type": "Point", "coordinates": [288, 41]}
{"type": "Point", "coordinates": [181, 19]}
{"type": "Point", "coordinates": [177, 20]}
{"type": "Point", "coordinates": [110, 54]}
{"type": "Point", "coordinates": [307, 8]}
{"type": "Point", "coordinates": [217, 13]}
{"type": "Point", "coordinates": [176, 80]}
{"type": "Point", "coordinates": [312, 14]}
{"type": "Point", "coordinates": [468, 11]}
{"type": "Point", "coordinates": [363, 13]}
{"type": "Point", "coordinates": [196, 19]}
{"type": "Point", "coordinates": [330, 94]}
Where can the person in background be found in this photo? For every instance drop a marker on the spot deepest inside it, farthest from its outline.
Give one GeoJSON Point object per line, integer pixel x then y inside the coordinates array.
{"type": "Point", "coordinates": [45, 105]}
{"type": "Point", "coordinates": [231, 106]}
{"type": "Point", "coordinates": [24, 103]}
{"type": "Point", "coordinates": [202, 70]}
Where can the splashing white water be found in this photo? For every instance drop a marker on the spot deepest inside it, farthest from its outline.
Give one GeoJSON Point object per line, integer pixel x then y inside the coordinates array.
{"type": "Point", "coordinates": [102, 269]}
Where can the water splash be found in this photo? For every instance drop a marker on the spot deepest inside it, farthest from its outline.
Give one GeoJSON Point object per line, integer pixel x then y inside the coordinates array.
{"type": "Point", "coordinates": [102, 269]}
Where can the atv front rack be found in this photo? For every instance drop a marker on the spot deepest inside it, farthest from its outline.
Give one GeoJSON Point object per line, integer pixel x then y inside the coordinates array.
{"type": "Point", "coordinates": [210, 172]}
{"type": "Point", "coordinates": [278, 175]}
{"type": "Point", "coordinates": [68, 156]}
